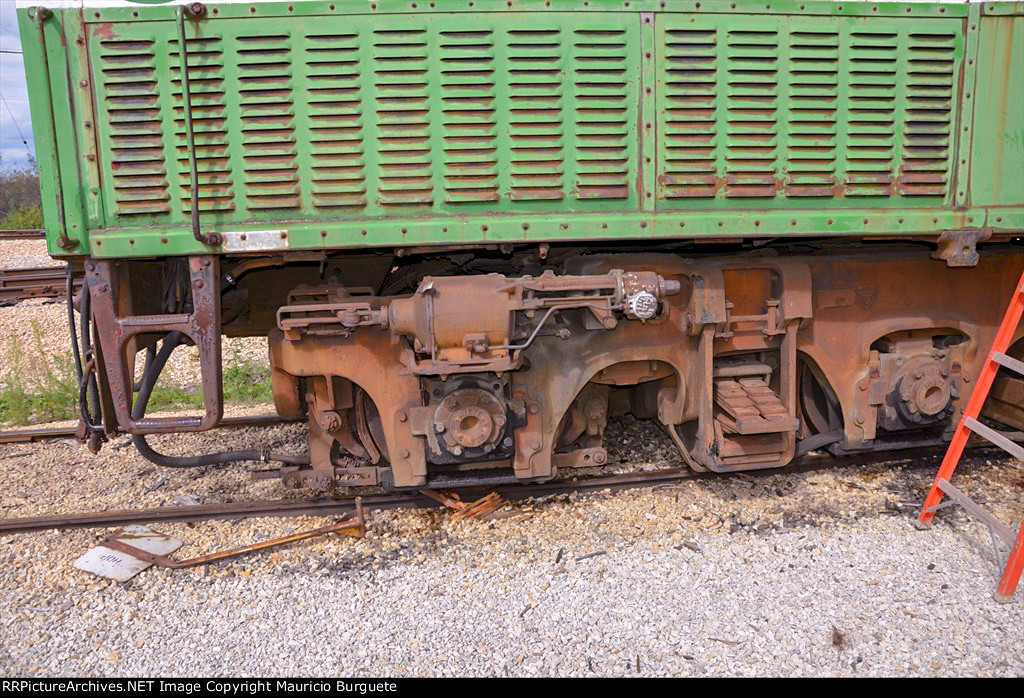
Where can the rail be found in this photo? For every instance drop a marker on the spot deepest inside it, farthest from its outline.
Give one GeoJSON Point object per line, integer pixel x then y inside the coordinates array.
{"type": "Point", "coordinates": [26, 436]}
{"type": "Point", "coordinates": [333, 506]}
{"type": "Point", "coordinates": [22, 234]}
{"type": "Point", "coordinates": [34, 282]}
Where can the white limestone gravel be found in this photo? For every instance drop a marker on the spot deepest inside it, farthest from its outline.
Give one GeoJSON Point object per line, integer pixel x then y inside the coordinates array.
{"type": "Point", "coordinates": [807, 573]}
{"type": "Point", "coordinates": [21, 254]}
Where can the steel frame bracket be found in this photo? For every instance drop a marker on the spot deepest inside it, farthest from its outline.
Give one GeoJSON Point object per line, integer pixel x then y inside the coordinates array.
{"type": "Point", "coordinates": [115, 332]}
{"type": "Point", "coordinates": [959, 248]}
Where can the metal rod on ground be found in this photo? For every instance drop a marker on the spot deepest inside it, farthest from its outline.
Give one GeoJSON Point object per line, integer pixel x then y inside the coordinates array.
{"type": "Point", "coordinates": [353, 524]}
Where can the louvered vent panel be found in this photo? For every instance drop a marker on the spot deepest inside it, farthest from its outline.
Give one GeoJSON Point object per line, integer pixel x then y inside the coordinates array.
{"type": "Point", "coordinates": [778, 108]}
{"type": "Point", "coordinates": [209, 123]}
{"type": "Point", "coordinates": [469, 115]}
{"type": "Point", "coordinates": [402, 85]}
{"type": "Point", "coordinates": [813, 103]}
{"type": "Point", "coordinates": [129, 81]}
{"type": "Point", "coordinates": [378, 115]}
{"type": "Point", "coordinates": [873, 87]}
{"type": "Point", "coordinates": [752, 88]}
{"type": "Point", "coordinates": [691, 79]}
{"type": "Point", "coordinates": [266, 110]}
{"type": "Point", "coordinates": [603, 115]}
{"type": "Point", "coordinates": [926, 131]}
{"type": "Point", "coordinates": [336, 126]}
{"type": "Point", "coordinates": [534, 60]}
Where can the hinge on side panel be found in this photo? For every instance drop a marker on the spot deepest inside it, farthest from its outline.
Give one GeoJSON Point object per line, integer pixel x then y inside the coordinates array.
{"type": "Point", "coordinates": [960, 247]}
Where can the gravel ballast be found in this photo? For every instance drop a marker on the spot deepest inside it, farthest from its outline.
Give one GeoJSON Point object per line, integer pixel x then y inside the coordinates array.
{"type": "Point", "coordinates": [808, 573]}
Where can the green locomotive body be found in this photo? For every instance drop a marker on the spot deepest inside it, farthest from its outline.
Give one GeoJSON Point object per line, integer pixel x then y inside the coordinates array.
{"type": "Point", "coordinates": [376, 124]}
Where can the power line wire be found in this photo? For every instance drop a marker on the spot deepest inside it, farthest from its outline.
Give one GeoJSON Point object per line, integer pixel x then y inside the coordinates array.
{"type": "Point", "coordinates": [14, 120]}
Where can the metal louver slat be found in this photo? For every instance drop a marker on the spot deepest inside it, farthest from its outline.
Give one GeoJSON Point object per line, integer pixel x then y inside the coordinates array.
{"type": "Point", "coordinates": [336, 127]}
{"type": "Point", "coordinates": [206, 74]}
{"type": "Point", "coordinates": [128, 70]}
{"type": "Point", "coordinates": [690, 115]}
{"type": "Point", "coordinates": [266, 106]}
{"type": "Point", "coordinates": [778, 109]}
{"type": "Point", "coordinates": [402, 103]}
{"type": "Point", "coordinates": [751, 126]}
{"type": "Point", "coordinates": [926, 130]}
{"type": "Point", "coordinates": [469, 114]}
{"type": "Point", "coordinates": [871, 81]}
{"type": "Point", "coordinates": [813, 71]}
{"type": "Point", "coordinates": [603, 112]}
{"type": "Point", "coordinates": [536, 123]}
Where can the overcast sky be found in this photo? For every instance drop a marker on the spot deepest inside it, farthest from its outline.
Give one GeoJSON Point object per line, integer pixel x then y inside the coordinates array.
{"type": "Point", "coordinates": [14, 107]}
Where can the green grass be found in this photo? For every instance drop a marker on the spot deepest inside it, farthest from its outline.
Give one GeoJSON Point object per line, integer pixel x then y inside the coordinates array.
{"type": "Point", "coordinates": [246, 382]}
{"type": "Point", "coordinates": [40, 387]}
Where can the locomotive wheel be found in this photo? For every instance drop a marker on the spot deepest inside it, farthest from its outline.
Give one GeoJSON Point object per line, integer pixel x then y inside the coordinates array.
{"type": "Point", "coordinates": [369, 429]}
{"type": "Point", "coordinates": [820, 414]}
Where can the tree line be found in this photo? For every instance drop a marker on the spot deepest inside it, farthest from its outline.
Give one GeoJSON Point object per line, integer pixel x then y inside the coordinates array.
{"type": "Point", "coordinates": [20, 205]}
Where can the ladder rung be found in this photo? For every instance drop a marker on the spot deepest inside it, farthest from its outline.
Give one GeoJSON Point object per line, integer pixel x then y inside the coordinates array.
{"type": "Point", "coordinates": [1015, 450]}
{"type": "Point", "coordinates": [1008, 361]}
{"type": "Point", "coordinates": [976, 510]}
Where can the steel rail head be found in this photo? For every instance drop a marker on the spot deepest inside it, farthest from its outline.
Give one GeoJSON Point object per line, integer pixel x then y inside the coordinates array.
{"type": "Point", "coordinates": [331, 506]}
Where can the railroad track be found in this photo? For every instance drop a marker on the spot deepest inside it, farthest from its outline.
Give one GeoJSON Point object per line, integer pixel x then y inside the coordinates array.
{"type": "Point", "coordinates": [333, 506]}
{"type": "Point", "coordinates": [22, 234]}
{"type": "Point", "coordinates": [27, 436]}
{"type": "Point", "coordinates": [34, 282]}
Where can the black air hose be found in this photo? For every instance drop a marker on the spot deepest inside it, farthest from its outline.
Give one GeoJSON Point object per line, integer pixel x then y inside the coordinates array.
{"type": "Point", "coordinates": [88, 393]}
{"type": "Point", "coordinates": [149, 377]}
{"type": "Point", "coordinates": [69, 293]}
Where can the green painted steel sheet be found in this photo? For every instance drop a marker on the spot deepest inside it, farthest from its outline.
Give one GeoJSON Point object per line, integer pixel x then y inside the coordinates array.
{"type": "Point", "coordinates": [343, 124]}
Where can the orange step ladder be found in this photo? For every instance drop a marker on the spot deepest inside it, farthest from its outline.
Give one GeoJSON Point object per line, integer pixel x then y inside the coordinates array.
{"type": "Point", "coordinates": [969, 424]}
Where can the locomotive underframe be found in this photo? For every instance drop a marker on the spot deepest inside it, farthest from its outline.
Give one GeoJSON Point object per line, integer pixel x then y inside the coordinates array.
{"type": "Point", "coordinates": [746, 359]}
